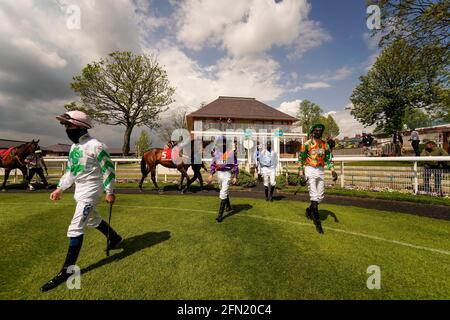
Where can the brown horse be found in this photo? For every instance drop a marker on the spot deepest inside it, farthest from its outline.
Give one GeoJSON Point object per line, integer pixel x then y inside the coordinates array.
{"type": "Point", "coordinates": [154, 156]}
{"type": "Point", "coordinates": [16, 160]}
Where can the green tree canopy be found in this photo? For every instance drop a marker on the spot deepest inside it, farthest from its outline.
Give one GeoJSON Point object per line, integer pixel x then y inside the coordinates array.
{"type": "Point", "coordinates": [308, 114]}
{"type": "Point", "coordinates": [401, 79]}
{"type": "Point", "coordinates": [419, 22]}
{"type": "Point", "coordinates": [124, 89]}
{"type": "Point", "coordinates": [143, 143]}
{"type": "Point", "coordinates": [331, 126]}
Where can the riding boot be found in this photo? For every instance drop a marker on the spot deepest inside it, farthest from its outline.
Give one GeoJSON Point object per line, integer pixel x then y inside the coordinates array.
{"type": "Point", "coordinates": [228, 205]}
{"type": "Point", "coordinates": [114, 238]}
{"type": "Point", "coordinates": [309, 212]}
{"type": "Point", "coordinates": [223, 203]}
{"type": "Point", "coordinates": [71, 258]}
{"type": "Point", "coordinates": [272, 189]}
{"type": "Point", "coordinates": [316, 217]}
{"type": "Point", "coordinates": [266, 191]}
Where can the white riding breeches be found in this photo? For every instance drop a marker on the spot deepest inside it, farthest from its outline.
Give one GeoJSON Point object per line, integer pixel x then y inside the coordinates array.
{"type": "Point", "coordinates": [316, 183]}
{"type": "Point", "coordinates": [223, 177]}
{"type": "Point", "coordinates": [268, 175]}
{"type": "Point", "coordinates": [85, 216]}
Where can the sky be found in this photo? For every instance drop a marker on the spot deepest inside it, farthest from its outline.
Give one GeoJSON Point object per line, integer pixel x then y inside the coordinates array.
{"type": "Point", "coordinates": [279, 52]}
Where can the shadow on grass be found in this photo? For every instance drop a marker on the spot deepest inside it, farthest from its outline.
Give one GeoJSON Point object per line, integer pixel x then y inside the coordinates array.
{"type": "Point", "coordinates": [237, 208]}
{"type": "Point", "coordinates": [324, 214]}
{"type": "Point", "coordinates": [131, 246]}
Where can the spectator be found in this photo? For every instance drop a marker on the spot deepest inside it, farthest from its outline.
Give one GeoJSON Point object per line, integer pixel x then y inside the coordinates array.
{"type": "Point", "coordinates": [331, 143]}
{"type": "Point", "coordinates": [397, 139]}
{"type": "Point", "coordinates": [415, 141]}
{"type": "Point", "coordinates": [366, 142]}
{"type": "Point", "coordinates": [434, 167]}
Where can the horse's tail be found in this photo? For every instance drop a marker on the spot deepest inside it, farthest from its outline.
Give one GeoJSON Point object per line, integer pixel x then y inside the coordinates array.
{"type": "Point", "coordinates": [143, 166]}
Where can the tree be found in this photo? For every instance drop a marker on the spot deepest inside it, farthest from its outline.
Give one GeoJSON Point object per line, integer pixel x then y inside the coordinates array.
{"type": "Point", "coordinates": [143, 143]}
{"type": "Point", "coordinates": [308, 114]}
{"type": "Point", "coordinates": [176, 120]}
{"type": "Point", "coordinates": [124, 89]}
{"type": "Point", "coordinates": [416, 118]}
{"type": "Point", "coordinates": [422, 24]}
{"type": "Point", "coordinates": [397, 82]}
{"type": "Point", "coordinates": [331, 127]}
{"type": "Point", "coordinates": [419, 22]}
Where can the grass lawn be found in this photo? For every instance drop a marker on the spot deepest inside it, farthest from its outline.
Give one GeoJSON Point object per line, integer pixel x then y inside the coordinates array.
{"type": "Point", "coordinates": [174, 249]}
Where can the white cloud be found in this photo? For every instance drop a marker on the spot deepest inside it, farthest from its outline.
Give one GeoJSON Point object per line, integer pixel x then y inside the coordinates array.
{"type": "Point", "coordinates": [247, 27]}
{"type": "Point", "coordinates": [336, 75]}
{"type": "Point", "coordinates": [311, 36]}
{"type": "Point", "coordinates": [290, 107]}
{"type": "Point", "coordinates": [250, 77]}
{"type": "Point", "coordinates": [348, 125]}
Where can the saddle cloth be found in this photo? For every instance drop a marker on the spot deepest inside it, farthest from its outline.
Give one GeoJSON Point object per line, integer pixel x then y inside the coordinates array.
{"type": "Point", "coordinates": [5, 153]}
{"type": "Point", "coordinates": [166, 154]}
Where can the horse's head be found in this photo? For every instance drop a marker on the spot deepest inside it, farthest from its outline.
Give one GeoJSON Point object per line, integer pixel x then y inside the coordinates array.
{"type": "Point", "coordinates": [31, 147]}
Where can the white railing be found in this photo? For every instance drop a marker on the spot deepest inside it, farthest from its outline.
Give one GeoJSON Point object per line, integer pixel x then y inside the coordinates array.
{"type": "Point", "coordinates": [411, 177]}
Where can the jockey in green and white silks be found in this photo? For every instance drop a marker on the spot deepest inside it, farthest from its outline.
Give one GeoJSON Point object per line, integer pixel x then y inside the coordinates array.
{"type": "Point", "coordinates": [90, 168]}
{"type": "Point", "coordinates": [92, 171]}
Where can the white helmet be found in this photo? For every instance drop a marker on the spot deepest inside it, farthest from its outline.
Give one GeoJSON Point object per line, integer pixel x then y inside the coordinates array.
{"type": "Point", "coordinates": [77, 118]}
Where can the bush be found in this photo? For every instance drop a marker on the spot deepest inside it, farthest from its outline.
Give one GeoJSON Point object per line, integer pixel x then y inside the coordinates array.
{"type": "Point", "coordinates": [293, 179]}
{"type": "Point", "coordinates": [246, 180]}
{"type": "Point", "coordinates": [282, 182]}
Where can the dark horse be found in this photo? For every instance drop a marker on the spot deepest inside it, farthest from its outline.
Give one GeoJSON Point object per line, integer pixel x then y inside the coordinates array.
{"type": "Point", "coordinates": [16, 160]}
{"type": "Point", "coordinates": [154, 156]}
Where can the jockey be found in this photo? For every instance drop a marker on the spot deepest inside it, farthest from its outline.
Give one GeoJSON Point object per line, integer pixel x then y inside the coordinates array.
{"type": "Point", "coordinates": [314, 156]}
{"type": "Point", "coordinates": [224, 162]}
{"type": "Point", "coordinates": [92, 171]}
{"type": "Point", "coordinates": [267, 162]}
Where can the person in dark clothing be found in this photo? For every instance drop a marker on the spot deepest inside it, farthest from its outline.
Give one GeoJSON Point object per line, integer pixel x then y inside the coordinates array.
{"type": "Point", "coordinates": [366, 142]}
{"type": "Point", "coordinates": [331, 143]}
{"type": "Point", "coordinates": [397, 140]}
{"type": "Point", "coordinates": [415, 141]}
{"type": "Point", "coordinates": [36, 165]}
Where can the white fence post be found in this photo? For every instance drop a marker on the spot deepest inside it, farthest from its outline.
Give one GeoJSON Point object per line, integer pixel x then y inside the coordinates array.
{"type": "Point", "coordinates": [342, 175]}
{"type": "Point", "coordinates": [416, 179]}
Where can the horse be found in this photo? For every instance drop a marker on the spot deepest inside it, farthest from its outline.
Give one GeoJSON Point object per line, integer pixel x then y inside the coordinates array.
{"type": "Point", "coordinates": [153, 157]}
{"type": "Point", "coordinates": [16, 160]}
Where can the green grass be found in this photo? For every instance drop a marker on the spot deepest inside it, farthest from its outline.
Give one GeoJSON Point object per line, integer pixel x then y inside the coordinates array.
{"type": "Point", "coordinates": [174, 249]}
{"type": "Point", "coordinates": [396, 196]}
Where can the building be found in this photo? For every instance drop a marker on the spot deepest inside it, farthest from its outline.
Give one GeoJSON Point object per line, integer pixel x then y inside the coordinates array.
{"type": "Point", "coordinates": [57, 150]}
{"type": "Point", "coordinates": [6, 144]}
{"type": "Point", "coordinates": [62, 150]}
{"type": "Point", "coordinates": [439, 134]}
{"type": "Point", "coordinates": [247, 119]}
{"type": "Point", "coordinates": [235, 113]}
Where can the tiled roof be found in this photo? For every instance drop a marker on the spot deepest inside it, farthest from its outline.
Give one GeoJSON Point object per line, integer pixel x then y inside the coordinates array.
{"type": "Point", "coordinates": [240, 108]}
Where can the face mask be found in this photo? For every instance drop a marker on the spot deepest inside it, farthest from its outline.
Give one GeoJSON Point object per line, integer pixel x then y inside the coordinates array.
{"type": "Point", "coordinates": [317, 135]}
{"type": "Point", "coordinates": [75, 134]}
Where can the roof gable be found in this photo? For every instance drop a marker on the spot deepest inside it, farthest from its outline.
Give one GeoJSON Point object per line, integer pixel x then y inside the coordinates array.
{"type": "Point", "coordinates": [240, 108]}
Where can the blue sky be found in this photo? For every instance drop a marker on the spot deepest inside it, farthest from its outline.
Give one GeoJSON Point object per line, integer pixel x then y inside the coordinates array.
{"type": "Point", "coordinates": [280, 52]}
